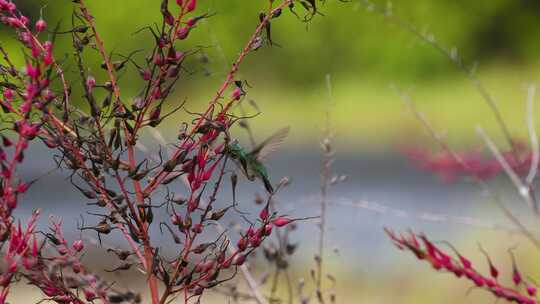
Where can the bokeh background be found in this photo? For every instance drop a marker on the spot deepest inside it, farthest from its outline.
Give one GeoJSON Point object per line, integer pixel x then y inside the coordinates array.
{"type": "Point", "coordinates": [364, 55]}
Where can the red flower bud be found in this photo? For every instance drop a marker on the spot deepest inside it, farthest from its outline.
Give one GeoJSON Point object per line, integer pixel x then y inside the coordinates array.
{"type": "Point", "coordinates": [242, 244]}
{"type": "Point", "coordinates": [22, 187]}
{"type": "Point", "coordinates": [267, 229]}
{"type": "Point", "coordinates": [13, 22]}
{"type": "Point", "coordinates": [264, 214]}
{"type": "Point", "coordinates": [255, 241]}
{"type": "Point", "coordinates": [236, 93]}
{"type": "Point", "coordinates": [155, 114]}
{"type": "Point", "coordinates": [6, 141]}
{"type": "Point", "coordinates": [182, 33]}
{"type": "Point", "coordinates": [32, 72]}
{"type": "Point", "coordinates": [168, 17]}
{"type": "Point", "coordinates": [531, 290]}
{"type": "Point", "coordinates": [90, 83]}
{"type": "Point", "coordinates": [63, 250]}
{"type": "Point", "coordinates": [145, 74]}
{"type": "Point", "coordinates": [78, 245]}
{"type": "Point", "coordinates": [198, 228]}
{"type": "Point", "coordinates": [192, 5]}
{"type": "Point", "coordinates": [28, 131]}
{"type": "Point", "coordinates": [250, 232]}
{"type": "Point", "coordinates": [24, 20]}
{"type": "Point", "coordinates": [8, 94]}
{"type": "Point", "coordinates": [158, 60]}
{"type": "Point", "coordinates": [281, 221]}
{"type": "Point", "coordinates": [239, 259]}
{"type": "Point", "coordinates": [89, 295]}
{"type": "Point", "coordinates": [41, 25]}
{"type": "Point", "coordinates": [516, 277]}
{"type": "Point", "coordinates": [192, 21]}
{"type": "Point", "coordinates": [176, 219]}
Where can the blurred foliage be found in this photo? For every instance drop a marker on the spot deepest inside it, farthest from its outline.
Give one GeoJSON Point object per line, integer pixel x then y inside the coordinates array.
{"type": "Point", "coordinates": [346, 40]}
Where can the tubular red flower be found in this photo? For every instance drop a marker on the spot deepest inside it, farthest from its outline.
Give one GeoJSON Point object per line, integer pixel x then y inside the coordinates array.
{"type": "Point", "coordinates": [439, 260]}
{"type": "Point", "coordinates": [281, 221]}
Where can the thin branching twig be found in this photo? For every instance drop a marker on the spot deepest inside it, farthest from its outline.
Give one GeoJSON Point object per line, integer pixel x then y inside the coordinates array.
{"type": "Point", "coordinates": [484, 186]}
{"type": "Point", "coordinates": [531, 125]}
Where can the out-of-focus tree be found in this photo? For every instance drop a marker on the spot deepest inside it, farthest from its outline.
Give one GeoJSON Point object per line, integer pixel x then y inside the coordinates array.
{"type": "Point", "coordinates": [349, 40]}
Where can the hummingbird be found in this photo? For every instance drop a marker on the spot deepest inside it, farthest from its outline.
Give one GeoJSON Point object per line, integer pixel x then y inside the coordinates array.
{"type": "Point", "coordinates": [250, 163]}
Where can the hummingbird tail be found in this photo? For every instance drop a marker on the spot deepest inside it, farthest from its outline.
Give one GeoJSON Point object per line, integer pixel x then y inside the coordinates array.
{"type": "Point", "coordinates": [268, 185]}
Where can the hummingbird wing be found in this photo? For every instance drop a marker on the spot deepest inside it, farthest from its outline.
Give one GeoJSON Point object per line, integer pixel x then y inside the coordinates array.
{"type": "Point", "coordinates": [270, 144]}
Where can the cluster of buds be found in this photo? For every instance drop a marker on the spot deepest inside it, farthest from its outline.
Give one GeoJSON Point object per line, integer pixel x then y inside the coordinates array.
{"type": "Point", "coordinates": [167, 58]}
{"type": "Point", "coordinates": [27, 101]}
{"type": "Point", "coordinates": [451, 167]}
{"type": "Point", "coordinates": [62, 276]}
{"type": "Point", "coordinates": [523, 292]}
{"type": "Point", "coordinates": [22, 251]}
{"type": "Point", "coordinates": [211, 259]}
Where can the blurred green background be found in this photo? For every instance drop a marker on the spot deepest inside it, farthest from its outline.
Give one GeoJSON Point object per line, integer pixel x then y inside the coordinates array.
{"type": "Point", "coordinates": [364, 54]}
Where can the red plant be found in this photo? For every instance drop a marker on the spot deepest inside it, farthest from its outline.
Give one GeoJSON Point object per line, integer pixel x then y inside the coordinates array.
{"type": "Point", "coordinates": [451, 166]}
{"type": "Point", "coordinates": [461, 267]}
{"type": "Point", "coordinates": [99, 149]}
{"type": "Point", "coordinates": [468, 163]}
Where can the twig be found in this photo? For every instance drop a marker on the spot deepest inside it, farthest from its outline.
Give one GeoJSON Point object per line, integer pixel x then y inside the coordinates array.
{"type": "Point", "coordinates": [424, 216]}
{"type": "Point", "coordinates": [522, 188]}
{"type": "Point", "coordinates": [453, 55]}
{"type": "Point", "coordinates": [531, 92]}
{"type": "Point", "coordinates": [325, 182]}
{"type": "Point", "coordinates": [440, 140]}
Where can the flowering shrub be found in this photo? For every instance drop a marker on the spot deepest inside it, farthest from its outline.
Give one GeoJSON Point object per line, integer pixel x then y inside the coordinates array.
{"type": "Point", "coordinates": [99, 149]}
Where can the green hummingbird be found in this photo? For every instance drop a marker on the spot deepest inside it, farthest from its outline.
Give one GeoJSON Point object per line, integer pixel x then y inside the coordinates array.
{"type": "Point", "coordinates": [250, 163]}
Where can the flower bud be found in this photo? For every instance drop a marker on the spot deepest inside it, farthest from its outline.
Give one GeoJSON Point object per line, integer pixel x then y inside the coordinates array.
{"type": "Point", "coordinates": [281, 221]}
{"type": "Point", "coordinates": [531, 290]}
{"type": "Point", "coordinates": [32, 72]}
{"type": "Point", "coordinates": [264, 214]}
{"type": "Point", "coordinates": [242, 244]}
{"type": "Point", "coordinates": [239, 259]}
{"type": "Point", "coordinates": [24, 20]}
{"type": "Point", "coordinates": [182, 33]}
{"type": "Point", "coordinates": [8, 94]}
{"type": "Point", "coordinates": [90, 83]}
{"type": "Point", "coordinates": [236, 93]}
{"type": "Point", "coordinates": [192, 5]}
{"type": "Point", "coordinates": [192, 21]}
{"type": "Point", "coordinates": [22, 187]}
{"type": "Point", "coordinates": [63, 250]}
{"type": "Point", "coordinates": [78, 245]}
{"type": "Point", "coordinates": [267, 229]}
{"type": "Point", "coordinates": [41, 25]}
{"type": "Point", "coordinates": [145, 74]}
{"type": "Point", "coordinates": [198, 228]}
